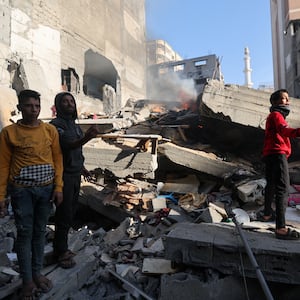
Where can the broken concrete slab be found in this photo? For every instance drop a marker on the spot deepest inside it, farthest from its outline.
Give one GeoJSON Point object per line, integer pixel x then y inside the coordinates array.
{"type": "Point", "coordinates": [65, 281]}
{"type": "Point", "coordinates": [188, 286]}
{"type": "Point", "coordinates": [220, 247]}
{"type": "Point", "coordinates": [120, 159]}
{"type": "Point", "coordinates": [234, 115]}
{"type": "Point", "coordinates": [238, 104]}
{"type": "Point", "coordinates": [197, 160]}
{"type": "Point", "coordinates": [241, 104]}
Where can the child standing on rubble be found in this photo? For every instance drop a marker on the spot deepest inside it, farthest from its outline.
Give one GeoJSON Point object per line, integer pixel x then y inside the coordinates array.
{"type": "Point", "coordinates": [71, 141]}
{"type": "Point", "coordinates": [31, 169]}
{"type": "Point", "coordinates": [276, 150]}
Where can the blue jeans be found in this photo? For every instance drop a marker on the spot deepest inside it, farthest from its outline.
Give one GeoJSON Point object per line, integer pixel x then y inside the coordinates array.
{"type": "Point", "coordinates": [31, 207]}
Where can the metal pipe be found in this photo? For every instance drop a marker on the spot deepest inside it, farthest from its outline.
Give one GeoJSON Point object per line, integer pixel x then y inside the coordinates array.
{"type": "Point", "coordinates": [253, 261]}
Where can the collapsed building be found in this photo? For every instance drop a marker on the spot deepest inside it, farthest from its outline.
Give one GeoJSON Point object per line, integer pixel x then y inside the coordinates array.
{"type": "Point", "coordinates": [163, 183]}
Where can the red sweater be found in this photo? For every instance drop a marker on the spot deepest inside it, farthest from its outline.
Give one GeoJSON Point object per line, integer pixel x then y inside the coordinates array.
{"type": "Point", "coordinates": [278, 134]}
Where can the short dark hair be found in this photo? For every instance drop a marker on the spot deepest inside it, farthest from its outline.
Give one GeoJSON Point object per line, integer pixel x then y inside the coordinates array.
{"type": "Point", "coordinates": [25, 94]}
{"type": "Point", "coordinates": [276, 96]}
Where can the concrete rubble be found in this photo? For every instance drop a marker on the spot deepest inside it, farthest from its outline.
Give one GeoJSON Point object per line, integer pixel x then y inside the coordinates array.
{"type": "Point", "coordinates": [153, 224]}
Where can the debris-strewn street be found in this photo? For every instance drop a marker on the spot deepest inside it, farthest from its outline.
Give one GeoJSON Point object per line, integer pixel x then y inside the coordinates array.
{"type": "Point", "coordinates": [158, 219]}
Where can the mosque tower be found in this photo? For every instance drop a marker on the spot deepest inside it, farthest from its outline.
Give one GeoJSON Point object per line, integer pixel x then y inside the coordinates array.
{"type": "Point", "coordinates": [247, 69]}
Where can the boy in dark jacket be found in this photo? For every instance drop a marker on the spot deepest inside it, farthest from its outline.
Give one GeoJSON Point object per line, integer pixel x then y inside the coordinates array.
{"type": "Point", "coordinates": [71, 141]}
{"type": "Point", "coordinates": [276, 150]}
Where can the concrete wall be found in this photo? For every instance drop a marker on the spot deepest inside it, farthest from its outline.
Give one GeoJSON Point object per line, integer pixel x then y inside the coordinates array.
{"type": "Point", "coordinates": [285, 16]}
{"type": "Point", "coordinates": [90, 42]}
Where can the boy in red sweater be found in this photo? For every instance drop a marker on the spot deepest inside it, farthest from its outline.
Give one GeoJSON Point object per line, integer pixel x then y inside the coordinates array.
{"type": "Point", "coordinates": [276, 150]}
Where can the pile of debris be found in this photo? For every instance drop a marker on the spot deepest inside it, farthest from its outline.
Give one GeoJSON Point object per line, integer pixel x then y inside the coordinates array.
{"type": "Point", "coordinates": [160, 227]}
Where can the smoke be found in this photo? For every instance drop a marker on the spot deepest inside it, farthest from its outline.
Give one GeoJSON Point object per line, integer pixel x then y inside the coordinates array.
{"type": "Point", "coordinates": [169, 87]}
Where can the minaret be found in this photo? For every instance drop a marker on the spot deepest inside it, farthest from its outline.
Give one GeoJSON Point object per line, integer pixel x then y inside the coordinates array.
{"type": "Point", "coordinates": [247, 69]}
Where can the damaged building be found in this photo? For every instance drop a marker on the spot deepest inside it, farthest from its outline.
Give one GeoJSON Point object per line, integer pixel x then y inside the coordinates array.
{"type": "Point", "coordinates": [50, 47]}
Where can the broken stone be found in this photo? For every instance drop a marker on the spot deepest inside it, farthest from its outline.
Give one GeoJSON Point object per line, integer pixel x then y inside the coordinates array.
{"type": "Point", "coordinates": [115, 235]}
{"type": "Point", "coordinates": [123, 269]}
{"type": "Point", "coordinates": [159, 203]}
{"type": "Point", "coordinates": [157, 266]}
{"type": "Point", "coordinates": [210, 215]}
{"type": "Point", "coordinates": [148, 246]}
{"type": "Point", "coordinates": [252, 191]}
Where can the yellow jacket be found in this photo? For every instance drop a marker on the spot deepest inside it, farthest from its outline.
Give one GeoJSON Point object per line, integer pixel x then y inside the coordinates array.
{"type": "Point", "coordinates": [30, 156]}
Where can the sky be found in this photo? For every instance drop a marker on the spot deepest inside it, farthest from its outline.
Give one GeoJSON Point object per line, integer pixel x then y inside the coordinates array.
{"type": "Point", "coordinates": [195, 28]}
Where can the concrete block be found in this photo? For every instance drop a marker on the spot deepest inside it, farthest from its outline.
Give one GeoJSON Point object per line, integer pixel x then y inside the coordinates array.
{"type": "Point", "coordinates": [252, 191]}
{"type": "Point", "coordinates": [157, 266]}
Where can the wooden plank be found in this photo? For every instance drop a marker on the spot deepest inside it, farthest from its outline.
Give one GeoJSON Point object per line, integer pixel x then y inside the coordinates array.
{"type": "Point", "coordinates": [129, 136]}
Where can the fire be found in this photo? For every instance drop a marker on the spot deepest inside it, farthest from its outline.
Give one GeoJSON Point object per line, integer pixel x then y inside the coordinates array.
{"type": "Point", "coordinates": [187, 101]}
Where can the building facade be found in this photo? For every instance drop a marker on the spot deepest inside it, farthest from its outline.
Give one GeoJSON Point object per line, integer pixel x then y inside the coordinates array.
{"type": "Point", "coordinates": [159, 51]}
{"type": "Point", "coordinates": [94, 49]}
{"type": "Point", "coordinates": [182, 80]}
{"type": "Point", "coordinates": [285, 18]}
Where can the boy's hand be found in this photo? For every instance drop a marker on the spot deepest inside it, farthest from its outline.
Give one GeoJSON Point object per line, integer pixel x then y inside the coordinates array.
{"type": "Point", "coordinates": [92, 132]}
{"type": "Point", "coordinates": [3, 209]}
{"type": "Point", "coordinates": [57, 198]}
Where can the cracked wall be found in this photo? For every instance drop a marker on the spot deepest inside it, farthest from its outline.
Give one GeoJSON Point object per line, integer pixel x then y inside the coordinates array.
{"type": "Point", "coordinates": [50, 40]}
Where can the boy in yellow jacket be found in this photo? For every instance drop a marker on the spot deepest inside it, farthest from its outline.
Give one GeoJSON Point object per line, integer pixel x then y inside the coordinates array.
{"type": "Point", "coordinates": [31, 173]}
